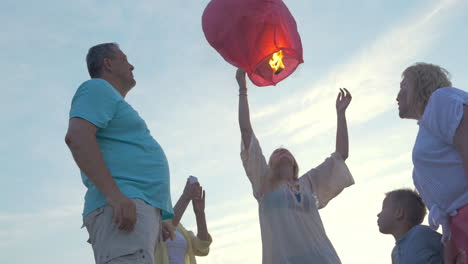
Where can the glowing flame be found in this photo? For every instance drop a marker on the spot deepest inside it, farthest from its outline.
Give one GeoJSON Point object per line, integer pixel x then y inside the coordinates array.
{"type": "Point", "coordinates": [276, 62]}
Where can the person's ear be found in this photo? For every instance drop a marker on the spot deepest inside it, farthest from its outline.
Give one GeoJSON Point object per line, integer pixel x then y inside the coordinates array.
{"type": "Point", "coordinates": [107, 64]}
{"type": "Point", "coordinates": [399, 213]}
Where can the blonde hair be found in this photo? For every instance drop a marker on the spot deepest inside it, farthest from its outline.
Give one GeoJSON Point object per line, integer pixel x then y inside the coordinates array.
{"type": "Point", "coordinates": [274, 181]}
{"type": "Point", "coordinates": [424, 79]}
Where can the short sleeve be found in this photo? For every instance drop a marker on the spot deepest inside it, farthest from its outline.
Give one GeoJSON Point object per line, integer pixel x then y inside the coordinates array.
{"type": "Point", "coordinates": [255, 166]}
{"type": "Point", "coordinates": [95, 101]}
{"type": "Point", "coordinates": [444, 112]}
{"type": "Point", "coordinates": [328, 179]}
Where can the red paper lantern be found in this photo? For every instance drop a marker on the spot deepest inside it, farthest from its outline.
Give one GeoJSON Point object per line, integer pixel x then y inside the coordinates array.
{"type": "Point", "coordinates": [250, 34]}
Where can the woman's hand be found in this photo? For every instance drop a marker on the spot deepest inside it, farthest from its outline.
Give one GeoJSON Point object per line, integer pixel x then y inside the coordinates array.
{"type": "Point", "coordinates": [343, 100]}
{"type": "Point", "coordinates": [240, 77]}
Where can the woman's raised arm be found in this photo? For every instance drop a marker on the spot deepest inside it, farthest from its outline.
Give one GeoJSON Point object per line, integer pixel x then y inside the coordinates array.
{"type": "Point", "coordinates": [342, 142]}
{"type": "Point", "coordinates": [244, 113]}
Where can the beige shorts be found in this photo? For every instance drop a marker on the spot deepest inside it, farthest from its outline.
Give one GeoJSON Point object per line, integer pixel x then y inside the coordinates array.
{"type": "Point", "coordinates": [113, 246]}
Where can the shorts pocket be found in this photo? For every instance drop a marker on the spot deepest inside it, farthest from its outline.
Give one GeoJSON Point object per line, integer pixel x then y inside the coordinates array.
{"type": "Point", "coordinates": [138, 256]}
{"type": "Point", "coordinates": [90, 223]}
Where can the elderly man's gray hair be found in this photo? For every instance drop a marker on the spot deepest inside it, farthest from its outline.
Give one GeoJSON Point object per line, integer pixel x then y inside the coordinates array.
{"type": "Point", "coordinates": [96, 56]}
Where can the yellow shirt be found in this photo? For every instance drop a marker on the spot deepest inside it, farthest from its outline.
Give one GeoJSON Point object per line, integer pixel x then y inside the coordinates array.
{"type": "Point", "coordinates": [195, 247]}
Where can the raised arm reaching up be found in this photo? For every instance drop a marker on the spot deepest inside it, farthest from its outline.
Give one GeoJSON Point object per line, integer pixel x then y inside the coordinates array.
{"type": "Point", "coordinates": [244, 114]}
{"type": "Point", "coordinates": [342, 143]}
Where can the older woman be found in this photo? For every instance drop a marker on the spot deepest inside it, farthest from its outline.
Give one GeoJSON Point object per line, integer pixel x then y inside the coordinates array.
{"type": "Point", "coordinates": [440, 153]}
{"type": "Point", "coordinates": [291, 228]}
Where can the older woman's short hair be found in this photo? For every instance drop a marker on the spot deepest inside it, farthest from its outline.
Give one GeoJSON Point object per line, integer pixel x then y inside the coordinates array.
{"type": "Point", "coordinates": [96, 56]}
{"type": "Point", "coordinates": [424, 79]}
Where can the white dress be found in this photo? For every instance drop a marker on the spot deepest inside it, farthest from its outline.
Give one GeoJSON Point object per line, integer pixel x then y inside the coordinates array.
{"type": "Point", "coordinates": [291, 228]}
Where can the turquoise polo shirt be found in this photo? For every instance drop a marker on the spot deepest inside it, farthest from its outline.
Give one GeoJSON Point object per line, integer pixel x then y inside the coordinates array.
{"type": "Point", "coordinates": [134, 158]}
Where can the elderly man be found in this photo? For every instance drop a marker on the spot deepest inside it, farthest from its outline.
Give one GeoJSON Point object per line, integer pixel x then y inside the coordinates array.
{"type": "Point", "coordinates": [122, 166]}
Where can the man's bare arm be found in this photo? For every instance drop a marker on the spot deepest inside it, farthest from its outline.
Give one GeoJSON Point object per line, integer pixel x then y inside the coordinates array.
{"type": "Point", "coordinates": [81, 140]}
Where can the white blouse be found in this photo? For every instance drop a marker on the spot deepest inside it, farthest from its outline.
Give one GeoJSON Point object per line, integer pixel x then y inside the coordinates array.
{"type": "Point", "coordinates": [176, 249]}
{"type": "Point", "coordinates": [291, 228]}
{"type": "Point", "coordinates": [438, 172]}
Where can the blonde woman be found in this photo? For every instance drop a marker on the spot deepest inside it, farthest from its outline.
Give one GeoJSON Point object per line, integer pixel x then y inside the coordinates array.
{"type": "Point", "coordinates": [184, 245]}
{"type": "Point", "coordinates": [440, 153]}
{"type": "Point", "coordinates": [291, 228]}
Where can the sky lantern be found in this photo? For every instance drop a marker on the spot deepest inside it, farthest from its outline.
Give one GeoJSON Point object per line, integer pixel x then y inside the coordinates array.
{"type": "Point", "coordinates": [259, 36]}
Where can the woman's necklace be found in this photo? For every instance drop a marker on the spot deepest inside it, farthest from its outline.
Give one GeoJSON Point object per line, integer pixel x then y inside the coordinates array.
{"type": "Point", "coordinates": [295, 189]}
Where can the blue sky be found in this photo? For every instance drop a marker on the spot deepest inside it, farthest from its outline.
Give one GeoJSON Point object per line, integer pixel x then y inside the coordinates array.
{"type": "Point", "coordinates": [188, 96]}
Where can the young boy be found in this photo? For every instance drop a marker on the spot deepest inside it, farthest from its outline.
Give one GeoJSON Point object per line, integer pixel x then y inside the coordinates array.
{"type": "Point", "coordinates": [402, 214]}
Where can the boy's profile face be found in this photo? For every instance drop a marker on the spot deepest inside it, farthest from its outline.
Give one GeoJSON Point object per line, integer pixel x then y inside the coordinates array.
{"type": "Point", "coordinates": [386, 219]}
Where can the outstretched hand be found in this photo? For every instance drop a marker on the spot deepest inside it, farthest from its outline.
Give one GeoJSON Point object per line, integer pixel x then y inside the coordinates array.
{"type": "Point", "coordinates": [343, 100]}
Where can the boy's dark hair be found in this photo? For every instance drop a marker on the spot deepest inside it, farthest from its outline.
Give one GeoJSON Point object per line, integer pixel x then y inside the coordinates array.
{"type": "Point", "coordinates": [410, 201]}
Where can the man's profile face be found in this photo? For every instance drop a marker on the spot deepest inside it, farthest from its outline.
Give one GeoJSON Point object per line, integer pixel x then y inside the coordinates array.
{"type": "Point", "coordinates": [122, 69]}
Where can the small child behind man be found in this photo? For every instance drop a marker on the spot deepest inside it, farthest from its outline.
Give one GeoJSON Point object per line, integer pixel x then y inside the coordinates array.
{"type": "Point", "coordinates": [402, 213]}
